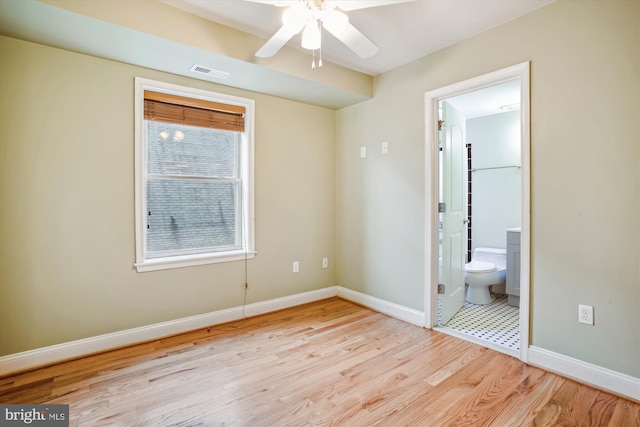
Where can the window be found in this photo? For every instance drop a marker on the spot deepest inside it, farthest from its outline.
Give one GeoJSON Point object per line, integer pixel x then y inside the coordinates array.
{"type": "Point", "coordinates": [194, 169]}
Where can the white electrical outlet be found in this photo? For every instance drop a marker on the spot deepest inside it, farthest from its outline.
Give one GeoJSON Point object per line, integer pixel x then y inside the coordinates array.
{"type": "Point", "coordinates": [325, 262]}
{"type": "Point", "coordinates": [585, 314]}
{"type": "Point", "coordinates": [385, 147]}
{"type": "Point", "coordinates": [296, 266]}
{"type": "Point", "coordinates": [363, 152]}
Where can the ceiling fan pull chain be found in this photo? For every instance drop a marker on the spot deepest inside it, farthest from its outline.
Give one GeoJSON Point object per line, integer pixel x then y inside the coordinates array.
{"type": "Point", "coordinates": [320, 48]}
{"type": "Point", "coordinates": [313, 61]}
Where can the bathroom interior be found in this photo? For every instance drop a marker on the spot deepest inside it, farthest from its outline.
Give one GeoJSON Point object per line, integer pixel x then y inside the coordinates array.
{"type": "Point", "coordinates": [492, 190]}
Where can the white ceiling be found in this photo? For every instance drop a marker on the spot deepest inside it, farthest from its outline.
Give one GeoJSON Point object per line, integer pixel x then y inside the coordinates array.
{"type": "Point", "coordinates": [404, 32]}
{"type": "Point", "coordinates": [497, 99]}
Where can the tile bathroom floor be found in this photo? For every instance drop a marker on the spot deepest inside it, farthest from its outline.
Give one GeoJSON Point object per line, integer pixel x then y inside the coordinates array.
{"type": "Point", "coordinates": [497, 323]}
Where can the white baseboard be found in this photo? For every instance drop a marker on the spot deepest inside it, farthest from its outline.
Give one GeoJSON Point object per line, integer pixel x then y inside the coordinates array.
{"type": "Point", "coordinates": [42, 356]}
{"type": "Point", "coordinates": [394, 310]}
{"type": "Point", "coordinates": [289, 301]}
{"type": "Point", "coordinates": [586, 373]}
{"type": "Point", "coordinates": [606, 379]}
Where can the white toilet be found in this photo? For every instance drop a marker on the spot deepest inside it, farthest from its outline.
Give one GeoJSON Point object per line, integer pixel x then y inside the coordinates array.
{"type": "Point", "coordinates": [488, 267]}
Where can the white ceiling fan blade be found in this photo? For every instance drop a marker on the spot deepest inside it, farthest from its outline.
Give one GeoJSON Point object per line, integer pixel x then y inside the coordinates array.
{"type": "Point", "coordinates": [352, 38]}
{"type": "Point", "coordinates": [279, 39]}
{"type": "Point", "coordinates": [348, 5]}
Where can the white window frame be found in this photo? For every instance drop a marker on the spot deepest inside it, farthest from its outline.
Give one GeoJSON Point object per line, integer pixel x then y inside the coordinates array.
{"type": "Point", "coordinates": [247, 250]}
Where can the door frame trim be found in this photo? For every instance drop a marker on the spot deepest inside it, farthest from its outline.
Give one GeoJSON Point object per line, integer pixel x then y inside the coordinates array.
{"type": "Point", "coordinates": [518, 71]}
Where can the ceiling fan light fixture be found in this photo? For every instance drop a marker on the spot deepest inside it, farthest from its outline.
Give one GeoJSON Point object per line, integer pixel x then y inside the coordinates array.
{"type": "Point", "coordinates": [311, 37]}
{"type": "Point", "coordinates": [312, 17]}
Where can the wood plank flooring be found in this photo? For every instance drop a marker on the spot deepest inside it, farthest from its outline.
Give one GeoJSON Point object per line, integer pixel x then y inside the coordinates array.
{"type": "Point", "coordinates": [326, 363]}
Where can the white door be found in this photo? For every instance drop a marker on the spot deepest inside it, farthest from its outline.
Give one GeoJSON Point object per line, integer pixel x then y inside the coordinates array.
{"type": "Point", "coordinates": [454, 216]}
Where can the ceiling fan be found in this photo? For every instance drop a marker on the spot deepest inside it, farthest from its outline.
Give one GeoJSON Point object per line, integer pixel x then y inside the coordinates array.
{"type": "Point", "coordinates": [311, 16]}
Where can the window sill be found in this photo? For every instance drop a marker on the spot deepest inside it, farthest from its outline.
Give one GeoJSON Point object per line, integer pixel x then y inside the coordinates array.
{"type": "Point", "coordinates": [192, 260]}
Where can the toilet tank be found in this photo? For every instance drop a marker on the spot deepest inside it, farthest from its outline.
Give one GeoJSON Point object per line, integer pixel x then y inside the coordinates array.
{"type": "Point", "coordinates": [494, 255]}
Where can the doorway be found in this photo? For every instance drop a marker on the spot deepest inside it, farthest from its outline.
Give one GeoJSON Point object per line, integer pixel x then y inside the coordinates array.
{"type": "Point", "coordinates": [448, 230]}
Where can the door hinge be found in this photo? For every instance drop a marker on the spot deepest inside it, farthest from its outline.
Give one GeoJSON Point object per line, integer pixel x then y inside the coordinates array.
{"type": "Point", "coordinates": [440, 124]}
{"type": "Point", "coordinates": [442, 207]}
{"type": "Point", "coordinates": [440, 289]}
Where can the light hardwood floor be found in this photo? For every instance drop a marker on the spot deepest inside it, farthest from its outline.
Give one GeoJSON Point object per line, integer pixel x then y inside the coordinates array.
{"type": "Point", "coordinates": [326, 363]}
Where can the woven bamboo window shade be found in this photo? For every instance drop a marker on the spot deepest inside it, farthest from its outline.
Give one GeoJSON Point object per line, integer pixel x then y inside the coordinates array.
{"type": "Point", "coordinates": [181, 110]}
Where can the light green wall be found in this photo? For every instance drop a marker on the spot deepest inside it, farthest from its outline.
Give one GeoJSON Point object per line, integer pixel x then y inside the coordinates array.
{"type": "Point", "coordinates": [66, 189]}
{"type": "Point", "coordinates": [585, 153]}
{"type": "Point", "coordinates": [67, 205]}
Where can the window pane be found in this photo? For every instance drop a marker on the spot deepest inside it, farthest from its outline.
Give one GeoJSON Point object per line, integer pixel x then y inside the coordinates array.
{"type": "Point", "coordinates": [190, 150]}
{"type": "Point", "coordinates": [191, 216]}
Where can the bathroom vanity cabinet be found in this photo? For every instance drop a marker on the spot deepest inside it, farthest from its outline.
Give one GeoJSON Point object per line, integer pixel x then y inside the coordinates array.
{"type": "Point", "coordinates": [513, 266]}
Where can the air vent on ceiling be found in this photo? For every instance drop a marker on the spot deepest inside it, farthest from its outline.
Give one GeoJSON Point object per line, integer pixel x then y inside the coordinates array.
{"type": "Point", "coordinates": [212, 72]}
